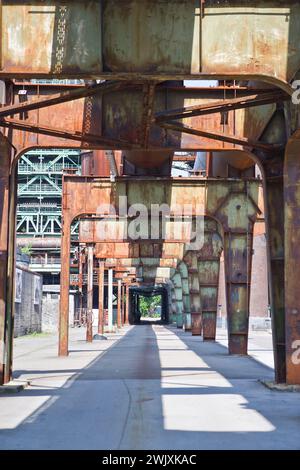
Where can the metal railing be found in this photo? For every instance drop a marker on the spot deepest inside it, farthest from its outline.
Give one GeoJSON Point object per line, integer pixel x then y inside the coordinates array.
{"type": "Point", "coordinates": [24, 168]}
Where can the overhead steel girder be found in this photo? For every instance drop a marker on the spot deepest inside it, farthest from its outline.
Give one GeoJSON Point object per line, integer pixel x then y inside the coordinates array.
{"type": "Point", "coordinates": [178, 39]}
{"type": "Point", "coordinates": [116, 119]}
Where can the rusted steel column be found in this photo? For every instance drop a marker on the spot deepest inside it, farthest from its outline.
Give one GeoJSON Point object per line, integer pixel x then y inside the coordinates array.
{"type": "Point", "coordinates": [237, 259]}
{"type": "Point", "coordinates": [196, 317]}
{"type": "Point", "coordinates": [173, 302]}
{"type": "Point", "coordinates": [237, 212]}
{"type": "Point", "coordinates": [208, 267]}
{"type": "Point", "coordinates": [7, 236]}
{"type": "Point", "coordinates": [122, 303]}
{"type": "Point", "coordinates": [292, 258]}
{"type": "Point", "coordinates": [90, 290]}
{"type": "Point", "coordinates": [177, 299]}
{"type": "Point", "coordinates": [119, 314]}
{"type": "Point", "coordinates": [186, 322]}
{"type": "Point", "coordinates": [101, 298]}
{"type": "Point", "coordinates": [64, 288]}
{"type": "Point", "coordinates": [10, 308]}
{"type": "Point", "coordinates": [127, 304]}
{"type": "Point", "coordinates": [110, 299]}
{"type": "Point", "coordinates": [274, 214]}
{"type": "Point", "coordinates": [209, 283]}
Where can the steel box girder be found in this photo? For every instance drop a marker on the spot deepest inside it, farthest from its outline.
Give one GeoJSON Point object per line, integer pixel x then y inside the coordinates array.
{"type": "Point", "coordinates": [177, 39]}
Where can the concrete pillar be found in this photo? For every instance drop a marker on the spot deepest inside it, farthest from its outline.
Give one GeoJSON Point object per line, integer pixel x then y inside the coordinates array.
{"type": "Point", "coordinates": [90, 266]}
{"type": "Point", "coordinates": [110, 299]}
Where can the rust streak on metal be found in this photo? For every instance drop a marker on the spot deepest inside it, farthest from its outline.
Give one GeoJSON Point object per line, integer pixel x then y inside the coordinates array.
{"type": "Point", "coordinates": [148, 105]}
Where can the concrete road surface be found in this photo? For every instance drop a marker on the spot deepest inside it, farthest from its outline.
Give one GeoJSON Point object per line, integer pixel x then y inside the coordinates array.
{"type": "Point", "coordinates": [149, 387]}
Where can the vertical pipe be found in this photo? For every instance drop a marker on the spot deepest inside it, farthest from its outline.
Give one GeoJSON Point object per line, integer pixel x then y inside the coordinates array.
{"type": "Point", "coordinates": [89, 325]}
{"type": "Point", "coordinates": [110, 299]}
{"type": "Point", "coordinates": [119, 318]}
{"type": "Point", "coordinates": [101, 298]}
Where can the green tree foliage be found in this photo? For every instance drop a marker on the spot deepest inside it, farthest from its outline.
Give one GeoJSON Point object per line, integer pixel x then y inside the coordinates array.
{"type": "Point", "coordinates": [148, 306]}
{"type": "Point", "coordinates": [26, 250]}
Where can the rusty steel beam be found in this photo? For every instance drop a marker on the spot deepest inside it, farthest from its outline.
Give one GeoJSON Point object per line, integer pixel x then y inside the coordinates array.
{"type": "Point", "coordinates": [110, 40]}
{"type": "Point", "coordinates": [96, 140]}
{"type": "Point", "coordinates": [58, 98]}
{"type": "Point", "coordinates": [180, 158]}
{"type": "Point", "coordinates": [89, 123]}
{"type": "Point", "coordinates": [223, 137]}
{"type": "Point", "coordinates": [221, 106]}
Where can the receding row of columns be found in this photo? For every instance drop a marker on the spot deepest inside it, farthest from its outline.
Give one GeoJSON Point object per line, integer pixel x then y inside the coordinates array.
{"type": "Point", "coordinates": [122, 297]}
